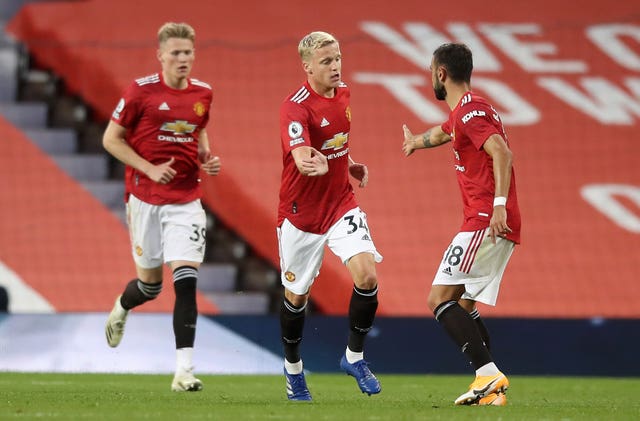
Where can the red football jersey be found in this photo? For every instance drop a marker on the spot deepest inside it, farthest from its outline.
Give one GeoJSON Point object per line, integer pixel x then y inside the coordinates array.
{"type": "Point", "coordinates": [470, 124]}
{"type": "Point", "coordinates": [313, 204]}
{"type": "Point", "coordinates": [161, 123]}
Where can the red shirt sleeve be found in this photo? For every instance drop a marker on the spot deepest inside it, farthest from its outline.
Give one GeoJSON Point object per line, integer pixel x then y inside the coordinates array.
{"type": "Point", "coordinates": [294, 126]}
{"type": "Point", "coordinates": [127, 112]}
{"type": "Point", "coordinates": [446, 127]}
{"type": "Point", "coordinates": [207, 115]}
{"type": "Point", "coordinates": [480, 124]}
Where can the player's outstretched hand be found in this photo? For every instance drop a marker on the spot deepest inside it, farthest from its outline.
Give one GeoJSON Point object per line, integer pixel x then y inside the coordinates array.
{"type": "Point", "coordinates": [162, 173]}
{"type": "Point", "coordinates": [360, 173]}
{"type": "Point", "coordinates": [409, 143]}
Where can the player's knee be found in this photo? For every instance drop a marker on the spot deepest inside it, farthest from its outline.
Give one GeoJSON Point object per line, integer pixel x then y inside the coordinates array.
{"type": "Point", "coordinates": [434, 300]}
{"type": "Point", "coordinates": [299, 301]}
{"type": "Point", "coordinates": [440, 294]}
{"type": "Point", "coordinates": [296, 300]}
{"type": "Point", "coordinates": [368, 281]}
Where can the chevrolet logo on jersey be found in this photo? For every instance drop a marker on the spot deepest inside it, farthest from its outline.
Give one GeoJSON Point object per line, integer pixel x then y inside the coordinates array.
{"type": "Point", "coordinates": [178, 127]}
{"type": "Point", "coordinates": [337, 142]}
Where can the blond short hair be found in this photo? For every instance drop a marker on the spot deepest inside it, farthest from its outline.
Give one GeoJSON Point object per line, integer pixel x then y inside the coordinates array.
{"type": "Point", "coordinates": [312, 42]}
{"type": "Point", "coordinates": [176, 30]}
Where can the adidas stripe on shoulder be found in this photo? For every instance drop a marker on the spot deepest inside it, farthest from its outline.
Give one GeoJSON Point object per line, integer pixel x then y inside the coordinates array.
{"type": "Point", "coordinates": [154, 78]}
{"type": "Point", "coordinates": [302, 94]}
{"type": "Point", "coordinates": [200, 83]}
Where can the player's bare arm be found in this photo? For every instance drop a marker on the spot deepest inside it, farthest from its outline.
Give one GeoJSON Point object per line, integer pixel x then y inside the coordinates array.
{"type": "Point", "coordinates": [359, 171]}
{"type": "Point", "coordinates": [114, 142]}
{"type": "Point", "coordinates": [210, 164]}
{"type": "Point", "coordinates": [502, 160]}
{"type": "Point", "coordinates": [310, 161]}
{"type": "Point", "coordinates": [429, 139]}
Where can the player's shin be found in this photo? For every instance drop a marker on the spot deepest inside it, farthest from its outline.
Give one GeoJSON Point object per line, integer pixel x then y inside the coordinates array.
{"type": "Point", "coordinates": [291, 327]}
{"type": "Point", "coordinates": [362, 312]}
{"type": "Point", "coordinates": [137, 292]}
{"type": "Point", "coordinates": [482, 328]}
{"type": "Point", "coordinates": [185, 310]}
{"type": "Point", "coordinates": [464, 332]}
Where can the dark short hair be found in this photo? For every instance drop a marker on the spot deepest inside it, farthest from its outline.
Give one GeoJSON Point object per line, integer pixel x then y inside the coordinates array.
{"type": "Point", "coordinates": [457, 59]}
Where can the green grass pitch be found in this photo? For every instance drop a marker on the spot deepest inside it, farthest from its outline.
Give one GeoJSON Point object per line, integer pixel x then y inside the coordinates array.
{"type": "Point", "coordinates": [336, 397]}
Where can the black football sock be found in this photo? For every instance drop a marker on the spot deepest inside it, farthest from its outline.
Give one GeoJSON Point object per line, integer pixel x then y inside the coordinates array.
{"type": "Point", "coordinates": [137, 292]}
{"type": "Point", "coordinates": [185, 309]}
{"type": "Point", "coordinates": [291, 327]}
{"type": "Point", "coordinates": [482, 328]}
{"type": "Point", "coordinates": [464, 332]}
{"type": "Point", "coordinates": [362, 312]}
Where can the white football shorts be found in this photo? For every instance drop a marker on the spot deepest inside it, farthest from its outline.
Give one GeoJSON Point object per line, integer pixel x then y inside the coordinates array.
{"type": "Point", "coordinates": [166, 233]}
{"type": "Point", "coordinates": [474, 261]}
{"type": "Point", "coordinates": [301, 253]}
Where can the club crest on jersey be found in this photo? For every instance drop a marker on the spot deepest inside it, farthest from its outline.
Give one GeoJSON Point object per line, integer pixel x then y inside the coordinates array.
{"type": "Point", "coordinates": [347, 113]}
{"type": "Point", "coordinates": [199, 109]}
{"type": "Point", "coordinates": [336, 142]}
{"type": "Point", "coordinates": [178, 127]}
{"type": "Point", "coordinates": [290, 276]}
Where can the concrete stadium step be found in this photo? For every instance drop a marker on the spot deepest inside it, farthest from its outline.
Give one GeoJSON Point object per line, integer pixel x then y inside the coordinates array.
{"type": "Point", "coordinates": [38, 86]}
{"type": "Point", "coordinates": [257, 275]}
{"type": "Point", "coordinates": [217, 277]}
{"type": "Point", "coordinates": [86, 167]}
{"type": "Point", "coordinates": [240, 302]}
{"type": "Point", "coordinates": [109, 192]}
{"type": "Point", "coordinates": [54, 141]}
{"type": "Point", "coordinates": [25, 114]}
{"type": "Point", "coordinates": [8, 73]}
{"type": "Point", "coordinates": [121, 213]}
{"type": "Point", "coordinates": [8, 8]}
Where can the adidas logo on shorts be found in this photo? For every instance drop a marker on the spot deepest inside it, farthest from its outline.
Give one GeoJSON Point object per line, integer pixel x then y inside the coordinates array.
{"type": "Point", "coordinates": [447, 271]}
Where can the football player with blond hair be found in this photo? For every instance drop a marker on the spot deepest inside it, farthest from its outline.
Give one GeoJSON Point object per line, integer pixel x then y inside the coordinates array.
{"type": "Point", "coordinates": [158, 130]}
{"type": "Point", "coordinates": [318, 208]}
